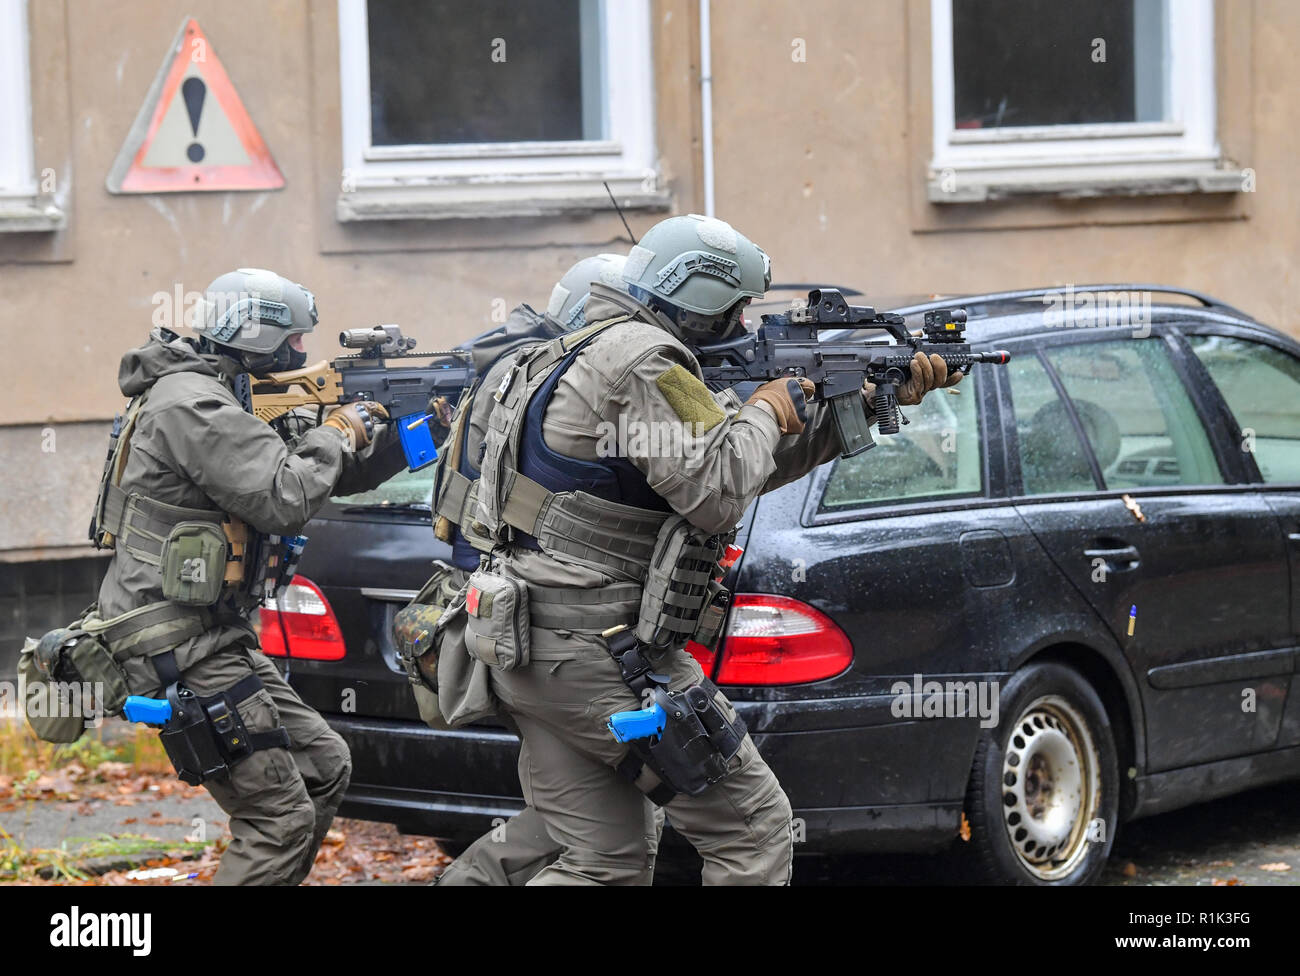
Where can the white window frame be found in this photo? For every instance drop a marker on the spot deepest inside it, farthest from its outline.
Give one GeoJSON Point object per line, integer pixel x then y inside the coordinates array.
{"type": "Point", "coordinates": [506, 178]}
{"type": "Point", "coordinates": [1177, 155]}
{"type": "Point", "coordinates": [20, 207]}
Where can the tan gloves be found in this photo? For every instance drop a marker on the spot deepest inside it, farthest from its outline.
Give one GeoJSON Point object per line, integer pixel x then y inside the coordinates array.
{"type": "Point", "coordinates": [928, 373]}
{"type": "Point", "coordinates": [787, 399]}
{"type": "Point", "coordinates": [356, 422]}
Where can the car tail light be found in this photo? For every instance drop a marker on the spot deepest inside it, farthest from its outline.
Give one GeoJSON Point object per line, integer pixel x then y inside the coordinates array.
{"type": "Point", "coordinates": [302, 618]}
{"type": "Point", "coordinates": [706, 657]}
{"type": "Point", "coordinates": [774, 640]}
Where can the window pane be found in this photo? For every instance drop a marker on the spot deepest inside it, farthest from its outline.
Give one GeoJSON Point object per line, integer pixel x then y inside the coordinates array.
{"type": "Point", "coordinates": [936, 455]}
{"type": "Point", "coordinates": [1141, 424]}
{"type": "Point", "coordinates": [1039, 62]}
{"type": "Point", "coordinates": [1262, 387]}
{"type": "Point", "coordinates": [403, 488]}
{"type": "Point", "coordinates": [465, 71]}
{"type": "Point", "coordinates": [1051, 457]}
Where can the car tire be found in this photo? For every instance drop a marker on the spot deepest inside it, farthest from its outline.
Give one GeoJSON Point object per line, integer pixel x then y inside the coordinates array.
{"type": "Point", "coordinates": [1043, 800]}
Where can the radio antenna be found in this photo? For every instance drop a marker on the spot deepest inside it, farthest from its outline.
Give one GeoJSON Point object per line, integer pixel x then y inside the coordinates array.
{"type": "Point", "coordinates": [620, 212]}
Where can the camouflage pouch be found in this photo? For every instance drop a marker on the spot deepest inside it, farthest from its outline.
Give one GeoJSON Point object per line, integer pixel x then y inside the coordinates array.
{"type": "Point", "coordinates": [414, 627]}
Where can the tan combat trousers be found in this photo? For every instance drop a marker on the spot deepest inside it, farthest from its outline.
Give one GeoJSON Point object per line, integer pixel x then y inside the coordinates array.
{"type": "Point", "coordinates": [741, 827]}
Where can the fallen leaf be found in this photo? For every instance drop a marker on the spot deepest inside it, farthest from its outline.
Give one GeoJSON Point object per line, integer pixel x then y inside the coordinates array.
{"type": "Point", "coordinates": [1275, 866]}
{"type": "Point", "coordinates": [1130, 870]}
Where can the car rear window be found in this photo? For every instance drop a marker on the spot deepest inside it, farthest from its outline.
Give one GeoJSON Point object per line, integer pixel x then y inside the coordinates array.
{"type": "Point", "coordinates": [1261, 385]}
{"type": "Point", "coordinates": [404, 488]}
{"type": "Point", "coordinates": [937, 455]}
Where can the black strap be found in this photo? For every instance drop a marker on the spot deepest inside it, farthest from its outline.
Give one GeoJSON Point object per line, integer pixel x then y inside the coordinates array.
{"type": "Point", "coordinates": [632, 768]}
{"type": "Point", "coordinates": [164, 665]}
{"type": "Point", "coordinates": [277, 738]}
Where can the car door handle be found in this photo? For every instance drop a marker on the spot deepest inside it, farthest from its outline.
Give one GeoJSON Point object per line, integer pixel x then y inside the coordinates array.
{"type": "Point", "coordinates": [1118, 560]}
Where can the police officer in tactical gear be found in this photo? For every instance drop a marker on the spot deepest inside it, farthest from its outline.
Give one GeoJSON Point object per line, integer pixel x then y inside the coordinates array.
{"type": "Point", "coordinates": [200, 503]}
{"type": "Point", "coordinates": [513, 852]}
{"type": "Point", "coordinates": [585, 548]}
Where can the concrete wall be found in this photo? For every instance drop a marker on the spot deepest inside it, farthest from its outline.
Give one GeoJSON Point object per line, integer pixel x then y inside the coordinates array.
{"type": "Point", "coordinates": [821, 162]}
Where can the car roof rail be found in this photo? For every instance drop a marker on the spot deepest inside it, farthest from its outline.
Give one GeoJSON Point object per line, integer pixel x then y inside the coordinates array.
{"type": "Point", "coordinates": [1209, 301]}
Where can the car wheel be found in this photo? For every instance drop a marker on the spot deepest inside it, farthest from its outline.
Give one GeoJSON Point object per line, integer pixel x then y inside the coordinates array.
{"type": "Point", "coordinates": [1044, 789]}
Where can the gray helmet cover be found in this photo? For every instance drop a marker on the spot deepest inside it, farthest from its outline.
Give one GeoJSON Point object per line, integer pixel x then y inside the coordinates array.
{"type": "Point", "coordinates": [254, 310]}
{"type": "Point", "coordinates": [570, 294]}
{"type": "Point", "coordinates": [698, 264]}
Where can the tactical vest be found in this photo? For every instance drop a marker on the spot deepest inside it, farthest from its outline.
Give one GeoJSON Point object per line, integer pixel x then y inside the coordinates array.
{"type": "Point", "coordinates": [455, 489]}
{"type": "Point", "coordinates": [599, 514]}
{"type": "Point", "coordinates": [212, 568]}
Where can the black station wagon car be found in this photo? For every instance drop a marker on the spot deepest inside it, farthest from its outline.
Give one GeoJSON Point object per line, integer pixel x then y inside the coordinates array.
{"type": "Point", "coordinates": [1065, 596]}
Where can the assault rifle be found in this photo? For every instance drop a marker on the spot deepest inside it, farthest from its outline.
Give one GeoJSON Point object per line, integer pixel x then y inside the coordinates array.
{"type": "Point", "coordinates": [787, 344]}
{"type": "Point", "coordinates": [403, 390]}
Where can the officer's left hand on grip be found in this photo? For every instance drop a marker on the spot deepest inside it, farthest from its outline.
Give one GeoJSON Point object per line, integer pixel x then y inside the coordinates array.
{"type": "Point", "coordinates": [787, 398]}
{"type": "Point", "coordinates": [356, 421]}
{"type": "Point", "coordinates": [928, 373]}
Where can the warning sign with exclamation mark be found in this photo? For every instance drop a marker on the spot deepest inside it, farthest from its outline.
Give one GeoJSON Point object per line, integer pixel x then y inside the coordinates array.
{"type": "Point", "coordinates": [193, 132]}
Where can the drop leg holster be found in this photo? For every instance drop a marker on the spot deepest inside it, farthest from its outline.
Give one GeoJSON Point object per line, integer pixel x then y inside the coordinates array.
{"type": "Point", "coordinates": [205, 736]}
{"type": "Point", "coordinates": [698, 741]}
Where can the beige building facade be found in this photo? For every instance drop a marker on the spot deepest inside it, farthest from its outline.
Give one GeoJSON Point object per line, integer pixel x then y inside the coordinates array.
{"type": "Point", "coordinates": [442, 162]}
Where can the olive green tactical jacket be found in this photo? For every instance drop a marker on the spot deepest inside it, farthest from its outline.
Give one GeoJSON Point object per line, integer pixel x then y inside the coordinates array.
{"type": "Point", "coordinates": [194, 445]}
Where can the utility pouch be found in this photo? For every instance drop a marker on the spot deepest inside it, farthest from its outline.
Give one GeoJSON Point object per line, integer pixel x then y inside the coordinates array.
{"type": "Point", "coordinates": [709, 627]}
{"type": "Point", "coordinates": [414, 628]}
{"type": "Point", "coordinates": [497, 623]}
{"type": "Point", "coordinates": [677, 587]}
{"type": "Point", "coordinates": [193, 563]}
{"type": "Point", "coordinates": [48, 720]}
{"type": "Point", "coordinates": [90, 658]}
{"type": "Point", "coordinates": [71, 655]}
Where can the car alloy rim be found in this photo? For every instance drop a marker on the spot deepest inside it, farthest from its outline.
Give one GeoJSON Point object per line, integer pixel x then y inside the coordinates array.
{"type": "Point", "coordinates": [1051, 787]}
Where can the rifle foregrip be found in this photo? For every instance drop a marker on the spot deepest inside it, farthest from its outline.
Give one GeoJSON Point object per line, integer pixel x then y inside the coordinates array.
{"type": "Point", "coordinates": [886, 407]}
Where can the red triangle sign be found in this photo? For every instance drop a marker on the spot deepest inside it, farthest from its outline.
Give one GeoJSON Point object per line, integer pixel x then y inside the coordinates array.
{"type": "Point", "coordinates": [193, 132]}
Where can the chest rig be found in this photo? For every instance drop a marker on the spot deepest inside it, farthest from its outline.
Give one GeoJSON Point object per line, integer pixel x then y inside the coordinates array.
{"type": "Point", "coordinates": [599, 514]}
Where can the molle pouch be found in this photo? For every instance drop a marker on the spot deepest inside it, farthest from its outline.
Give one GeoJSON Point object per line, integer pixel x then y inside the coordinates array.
{"type": "Point", "coordinates": [194, 563]}
{"type": "Point", "coordinates": [709, 627]}
{"type": "Point", "coordinates": [90, 662]}
{"type": "Point", "coordinates": [677, 586]}
{"type": "Point", "coordinates": [496, 625]}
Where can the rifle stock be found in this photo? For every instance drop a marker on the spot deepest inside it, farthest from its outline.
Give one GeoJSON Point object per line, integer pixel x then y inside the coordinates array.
{"type": "Point", "coordinates": [316, 385]}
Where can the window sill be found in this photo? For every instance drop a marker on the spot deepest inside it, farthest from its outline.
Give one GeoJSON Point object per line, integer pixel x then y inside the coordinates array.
{"type": "Point", "coordinates": [30, 214]}
{"type": "Point", "coordinates": [952, 185]}
{"type": "Point", "coordinates": [486, 198]}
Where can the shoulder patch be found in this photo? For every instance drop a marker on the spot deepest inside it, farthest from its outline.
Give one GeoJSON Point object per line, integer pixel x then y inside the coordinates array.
{"type": "Point", "coordinates": [689, 398]}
